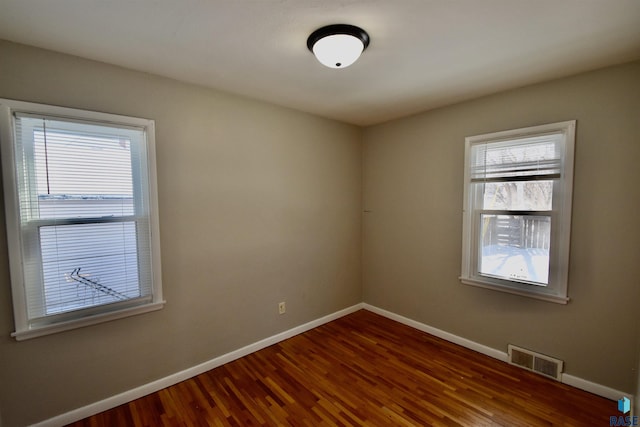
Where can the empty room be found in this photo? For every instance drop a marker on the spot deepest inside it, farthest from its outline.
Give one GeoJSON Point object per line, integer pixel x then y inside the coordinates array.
{"type": "Point", "coordinates": [337, 212]}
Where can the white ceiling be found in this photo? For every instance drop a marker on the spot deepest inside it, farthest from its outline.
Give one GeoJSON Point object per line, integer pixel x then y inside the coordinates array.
{"type": "Point", "coordinates": [423, 53]}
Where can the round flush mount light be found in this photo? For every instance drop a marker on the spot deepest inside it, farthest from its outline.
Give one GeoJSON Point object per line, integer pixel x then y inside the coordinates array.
{"type": "Point", "coordinates": [339, 45]}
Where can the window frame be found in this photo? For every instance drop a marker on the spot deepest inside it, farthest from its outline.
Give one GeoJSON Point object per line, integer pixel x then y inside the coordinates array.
{"type": "Point", "coordinates": [26, 328]}
{"type": "Point", "coordinates": [557, 288]}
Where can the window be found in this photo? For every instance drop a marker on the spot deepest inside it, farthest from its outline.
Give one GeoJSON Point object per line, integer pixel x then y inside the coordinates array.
{"type": "Point", "coordinates": [81, 216]}
{"type": "Point", "coordinates": [517, 210]}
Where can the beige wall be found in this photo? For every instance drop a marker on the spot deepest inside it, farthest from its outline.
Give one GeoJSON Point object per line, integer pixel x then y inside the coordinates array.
{"type": "Point", "coordinates": [412, 237]}
{"type": "Point", "coordinates": [258, 204]}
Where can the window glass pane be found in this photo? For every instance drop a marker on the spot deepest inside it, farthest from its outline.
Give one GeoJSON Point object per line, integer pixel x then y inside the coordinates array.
{"type": "Point", "coordinates": [81, 170]}
{"type": "Point", "coordinates": [515, 247]}
{"type": "Point", "coordinates": [519, 195]}
{"type": "Point", "coordinates": [70, 162]}
{"type": "Point", "coordinates": [85, 265]}
{"type": "Point", "coordinates": [76, 170]}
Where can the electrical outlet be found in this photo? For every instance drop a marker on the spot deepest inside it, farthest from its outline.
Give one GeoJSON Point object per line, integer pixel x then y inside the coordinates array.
{"type": "Point", "coordinates": [282, 307]}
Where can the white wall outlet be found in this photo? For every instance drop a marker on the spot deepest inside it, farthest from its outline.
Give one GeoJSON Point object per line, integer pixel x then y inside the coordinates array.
{"type": "Point", "coordinates": [282, 307]}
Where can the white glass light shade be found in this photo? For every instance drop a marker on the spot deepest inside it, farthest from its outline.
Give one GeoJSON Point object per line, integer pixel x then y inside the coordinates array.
{"type": "Point", "coordinates": [338, 50]}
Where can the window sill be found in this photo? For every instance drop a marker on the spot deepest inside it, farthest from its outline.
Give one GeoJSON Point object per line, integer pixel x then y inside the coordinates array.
{"type": "Point", "coordinates": [544, 297]}
{"type": "Point", "coordinates": [54, 328]}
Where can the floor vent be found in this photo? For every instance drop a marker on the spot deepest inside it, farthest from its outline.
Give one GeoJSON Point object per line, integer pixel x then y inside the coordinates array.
{"type": "Point", "coordinates": [536, 362]}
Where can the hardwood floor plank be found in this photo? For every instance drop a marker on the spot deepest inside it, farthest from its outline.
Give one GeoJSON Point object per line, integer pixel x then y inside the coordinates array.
{"type": "Point", "coordinates": [363, 370]}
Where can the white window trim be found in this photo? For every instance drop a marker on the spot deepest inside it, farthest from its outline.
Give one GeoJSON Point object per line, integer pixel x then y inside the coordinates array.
{"type": "Point", "coordinates": [23, 329]}
{"type": "Point", "coordinates": [557, 290]}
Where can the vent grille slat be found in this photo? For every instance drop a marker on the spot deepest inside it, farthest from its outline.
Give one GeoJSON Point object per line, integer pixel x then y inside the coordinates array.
{"type": "Point", "coordinates": [522, 359]}
{"type": "Point", "coordinates": [536, 362]}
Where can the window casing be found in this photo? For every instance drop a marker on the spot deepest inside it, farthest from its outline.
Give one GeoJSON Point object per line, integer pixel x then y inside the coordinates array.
{"type": "Point", "coordinates": [517, 210]}
{"type": "Point", "coordinates": [82, 227]}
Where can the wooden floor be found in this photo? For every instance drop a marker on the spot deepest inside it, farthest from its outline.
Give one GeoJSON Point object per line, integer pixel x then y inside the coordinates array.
{"type": "Point", "coordinates": [364, 369]}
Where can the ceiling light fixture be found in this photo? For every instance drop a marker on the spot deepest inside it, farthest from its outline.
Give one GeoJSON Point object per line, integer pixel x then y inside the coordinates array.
{"type": "Point", "coordinates": [339, 45]}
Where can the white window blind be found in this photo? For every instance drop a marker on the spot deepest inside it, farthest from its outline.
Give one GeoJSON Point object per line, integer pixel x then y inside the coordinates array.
{"type": "Point", "coordinates": [528, 158]}
{"type": "Point", "coordinates": [84, 213]}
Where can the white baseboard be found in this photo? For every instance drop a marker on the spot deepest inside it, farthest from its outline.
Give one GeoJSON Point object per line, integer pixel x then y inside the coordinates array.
{"type": "Point", "coordinates": [138, 392]}
{"type": "Point", "coordinates": [591, 387]}
{"type": "Point", "coordinates": [595, 388]}
{"type": "Point", "coordinates": [152, 387]}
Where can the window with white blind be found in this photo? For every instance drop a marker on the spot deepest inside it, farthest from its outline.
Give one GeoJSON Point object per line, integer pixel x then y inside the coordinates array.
{"type": "Point", "coordinates": [81, 216]}
{"type": "Point", "coordinates": [517, 210]}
